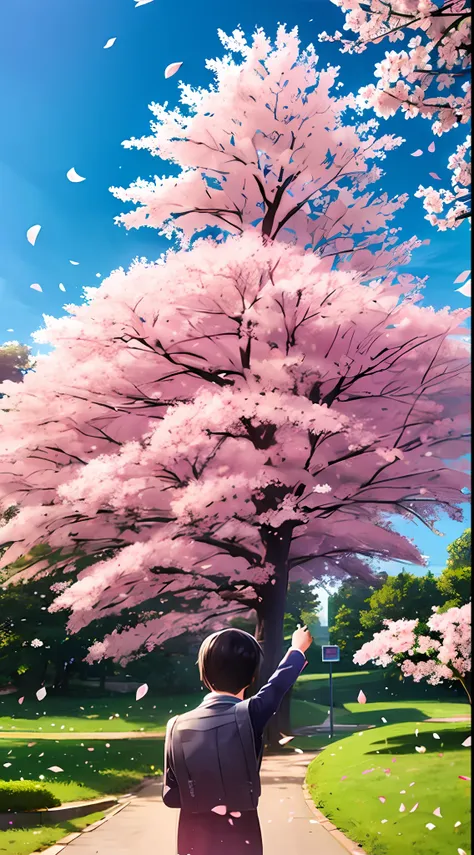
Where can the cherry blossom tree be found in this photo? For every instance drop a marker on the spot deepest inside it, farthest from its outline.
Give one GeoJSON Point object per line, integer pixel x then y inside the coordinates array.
{"type": "Point", "coordinates": [430, 78]}
{"type": "Point", "coordinates": [443, 654]}
{"type": "Point", "coordinates": [256, 404]}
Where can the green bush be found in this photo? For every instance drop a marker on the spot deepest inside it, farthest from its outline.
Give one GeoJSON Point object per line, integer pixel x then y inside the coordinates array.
{"type": "Point", "coordinates": [24, 796]}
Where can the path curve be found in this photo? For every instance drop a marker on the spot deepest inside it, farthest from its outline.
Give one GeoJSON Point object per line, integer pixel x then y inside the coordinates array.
{"type": "Point", "coordinates": [288, 823]}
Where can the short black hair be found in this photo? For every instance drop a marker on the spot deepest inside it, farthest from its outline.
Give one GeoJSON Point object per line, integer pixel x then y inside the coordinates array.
{"type": "Point", "coordinates": [229, 660]}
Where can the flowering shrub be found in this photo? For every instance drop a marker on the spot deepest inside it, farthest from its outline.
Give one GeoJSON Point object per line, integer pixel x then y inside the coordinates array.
{"type": "Point", "coordinates": [444, 654]}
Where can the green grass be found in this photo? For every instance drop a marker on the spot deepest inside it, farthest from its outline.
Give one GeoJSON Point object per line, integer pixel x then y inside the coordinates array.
{"type": "Point", "coordinates": [23, 841]}
{"type": "Point", "coordinates": [64, 715]}
{"type": "Point", "coordinates": [350, 798]}
{"type": "Point", "coordinates": [88, 774]}
{"type": "Point", "coordinates": [304, 713]}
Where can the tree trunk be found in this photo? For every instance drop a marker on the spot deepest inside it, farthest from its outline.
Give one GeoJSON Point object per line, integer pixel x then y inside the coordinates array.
{"type": "Point", "coordinates": [270, 616]}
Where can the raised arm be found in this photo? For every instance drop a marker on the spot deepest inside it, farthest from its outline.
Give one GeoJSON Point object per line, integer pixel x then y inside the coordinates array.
{"type": "Point", "coordinates": [268, 699]}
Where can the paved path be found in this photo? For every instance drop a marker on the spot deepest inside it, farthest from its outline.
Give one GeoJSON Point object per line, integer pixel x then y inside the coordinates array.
{"type": "Point", "coordinates": [145, 825]}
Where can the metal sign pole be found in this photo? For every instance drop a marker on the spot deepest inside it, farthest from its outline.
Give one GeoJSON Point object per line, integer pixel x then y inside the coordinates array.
{"type": "Point", "coordinates": [331, 705]}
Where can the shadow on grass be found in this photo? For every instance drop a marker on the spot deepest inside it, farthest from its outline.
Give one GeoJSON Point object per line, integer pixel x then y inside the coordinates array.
{"type": "Point", "coordinates": [394, 715]}
{"type": "Point", "coordinates": [111, 770]}
{"type": "Point", "coordinates": [450, 740]}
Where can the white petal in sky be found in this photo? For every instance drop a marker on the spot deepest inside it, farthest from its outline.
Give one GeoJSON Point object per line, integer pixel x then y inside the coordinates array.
{"type": "Point", "coordinates": [73, 176]}
{"type": "Point", "coordinates": [110, 42]}
{"type": "Point", "coordinates": [465, 289]}
{"type": "Point", "coordinates": [32, 234]}
{"type": "Point", "coordinates": [61, 287]}
{"type": "Point", "coordinates": [36, 287]}
{"type": "Point", "coordinates": [73, 262]}
{"type": "Point", "coordinates": [172, 69]}
{"type": "Point", "coordinates": [417, 153]}
{"type": "Point", "coordinates": [142, 3]}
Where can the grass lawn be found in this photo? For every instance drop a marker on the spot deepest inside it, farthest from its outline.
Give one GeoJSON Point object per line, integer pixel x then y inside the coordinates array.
{"type": "Point", "coordinates": [347, 779]}
{"type": "Point", "coordinates": [91, 770]}
{"type": "Point", "coordinates": [116, 714]}
{"type": "Point", "coordinates": [24, 841]}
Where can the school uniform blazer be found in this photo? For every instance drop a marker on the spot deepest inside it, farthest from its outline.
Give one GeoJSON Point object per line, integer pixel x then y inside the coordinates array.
{"type": "Point", "coordinates": [261, 708]}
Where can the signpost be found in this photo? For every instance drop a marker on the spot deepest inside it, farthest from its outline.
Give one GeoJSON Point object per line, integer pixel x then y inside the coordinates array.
{"type": "Point", "coordinates": [331, 653]}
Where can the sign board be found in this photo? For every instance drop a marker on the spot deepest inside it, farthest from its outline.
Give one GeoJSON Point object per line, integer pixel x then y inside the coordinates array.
{"type": "Point", "coordinates": [331, 653]}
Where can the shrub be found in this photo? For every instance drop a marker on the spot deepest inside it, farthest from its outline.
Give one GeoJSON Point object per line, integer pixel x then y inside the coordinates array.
{"type": "Point", "coordinates": [24, 796]}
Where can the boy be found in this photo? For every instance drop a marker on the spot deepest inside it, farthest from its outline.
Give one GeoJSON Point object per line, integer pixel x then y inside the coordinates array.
{"type": "Point", "coordinates": [213, 753]}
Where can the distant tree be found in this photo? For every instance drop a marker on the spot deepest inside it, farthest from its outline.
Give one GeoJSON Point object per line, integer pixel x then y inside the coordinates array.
{"type": "Point", "coordinates": [302, 606]}
{"type": "Point", "coordinates": [454, 584]}
{"type": "Point", "coordinates": [344, 610]}
{"type": "Point", "coordinates": [15, 361]}
{"type": "Point", "coordinates": [459, 551]}
{"type": "Point", "coordinates": [401, 596]}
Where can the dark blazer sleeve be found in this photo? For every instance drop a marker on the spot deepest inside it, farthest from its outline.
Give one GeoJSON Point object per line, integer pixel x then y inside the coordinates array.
{"type": "Point", "coordinates": [266, 702]}
{"type": "Point", "coordinates": [170, 793]}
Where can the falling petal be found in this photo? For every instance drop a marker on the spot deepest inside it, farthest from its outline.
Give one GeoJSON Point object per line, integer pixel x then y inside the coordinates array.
{"type": "Point", "coordinates": [435, 176]}
{"type": "Point", "coordinates": [285, 739]}
{"type": "Point", "coordinates": [36, 287]}
{"type": "Point", "coordinates": [142, 3]}
{"type": "Point", "coordinates": [30, 744]}
{"type": "Point", "coordinates": [420, 748]}
{"type": "Point", "coordinates": [457, 824]}
{"type": "Point", "coordinates": [110, 42]}
{"type": "Point", "coordinates": [61, 287]}
{"type": "Point", "coordinates": [382, 799]}
{"type": "Point", "coordinates": [32, 234]}
{"type": "Point", "coordinates": [402, 808]}
{"type": "Point", "coordinates": [384, 720]}
{"type": "Point", "coordinates": [417, 152]}
{"type": "Point", "coordinates": [368, 771]}
{"type": "Point", "coordinates": [20, 700]}
{"type": "Point", "coordinates": [464, 778]}
{"type": "Point", "coordinates": [430, 826]}
{"type": "Point", "coordinates": [172, 69]}
{"type": "Point", "coordinates": [383, 820]}
{"type": "Point", "coordinates": [220, 809]}
{"type": "Point", "coordinates": [7, 765]}
{"type": "Point", "coordinates": [73, 176]}
{"type": "Point", "coordinates": [41, 693]}
{"type": "Point", "coordinates": [235, 813]}
{"type": "Point", "coordinates": [412, 784]}
{"type": "Point", "coordinates": [141, 692]}
{"type": "Point", "coordinates": [462, 277]}
{"type": "Point", "coordinates": [361, 699]}
{"type": "Point", "coordinates": [299, 750]}
{"type": "Point", "coordinates": [344, 777]}
{"type": "Point", "coordinates": [431, 147]}
{"type": "Point", "coordinates": [416, 732]}
{"type": "Point", "coordinates": [436, 736]}
{"type": "Point", "coordinates": [414, 808]}
{"type": "Point", "coordinates": [461, 852]}
{"type": "Point", "coordinates": [437, 812]}
{"type": "Point", "coordinates": [465, 290]}
{"type": "Point", "coordinates": [73, 262]}
{"type": "Point", "coordinates": [467, 742]}
{"type": "Point", "coordinates": [107, 744]}
{"type": "Point", "coordinates": [91, 749]}
{"type": "Point", "coordinates": [55, 769]}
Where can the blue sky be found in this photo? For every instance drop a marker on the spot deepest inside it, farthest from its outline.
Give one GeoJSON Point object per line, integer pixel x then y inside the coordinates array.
{"type": "Point", "coordinates": [65, 101]}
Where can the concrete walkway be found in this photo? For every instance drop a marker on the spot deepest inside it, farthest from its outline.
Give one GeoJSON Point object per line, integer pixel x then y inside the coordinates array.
{"type": "Point", "coordinates": [288, 824]}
